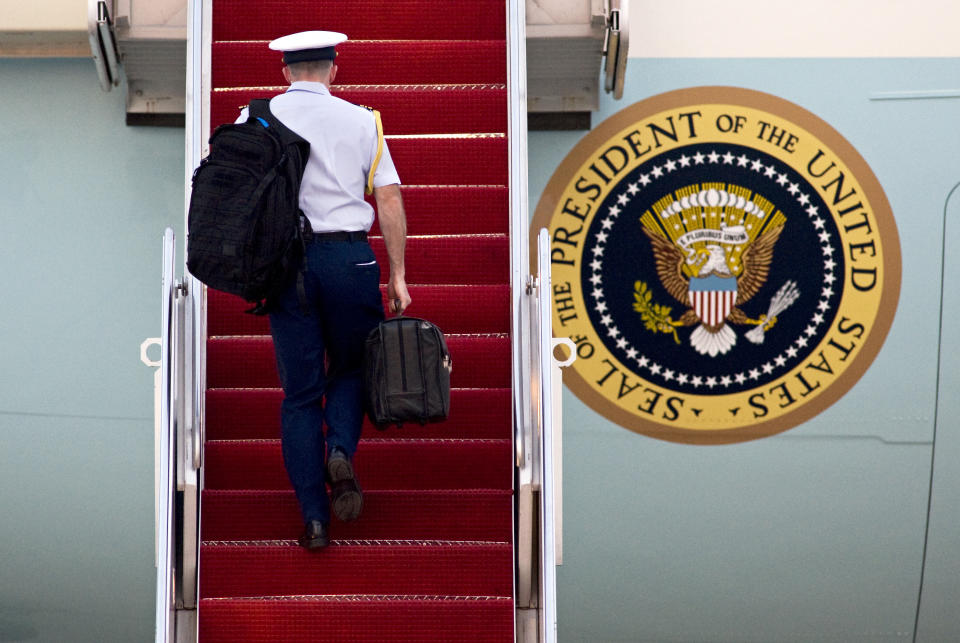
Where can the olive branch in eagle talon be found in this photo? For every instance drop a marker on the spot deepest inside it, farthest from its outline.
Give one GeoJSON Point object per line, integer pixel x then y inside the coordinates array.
{"type": "Point", "coordinates": [655, 316]}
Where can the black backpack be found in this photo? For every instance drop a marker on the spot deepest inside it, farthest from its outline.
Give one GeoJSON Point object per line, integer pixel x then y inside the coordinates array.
{"type": "Point", "coordinates": [406, 373]}
{"type": "Point", "coordinates": [245, 227]}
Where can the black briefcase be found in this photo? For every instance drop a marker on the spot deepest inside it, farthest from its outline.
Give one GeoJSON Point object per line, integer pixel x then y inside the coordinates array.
{"type": "Point", "coordinates": [407, 373]}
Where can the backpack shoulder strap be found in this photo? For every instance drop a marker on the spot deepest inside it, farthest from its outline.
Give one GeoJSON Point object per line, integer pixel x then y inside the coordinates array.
{"type": "Point", "coordinates": [260, 110]}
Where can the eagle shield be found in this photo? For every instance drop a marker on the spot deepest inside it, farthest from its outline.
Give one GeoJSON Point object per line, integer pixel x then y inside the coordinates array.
{"type": "Point", "coordinates": [712, 298]}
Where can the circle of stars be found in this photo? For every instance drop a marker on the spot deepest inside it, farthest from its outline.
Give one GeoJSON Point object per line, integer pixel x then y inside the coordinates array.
{"type": "Point", "coordinates": [779, 362]}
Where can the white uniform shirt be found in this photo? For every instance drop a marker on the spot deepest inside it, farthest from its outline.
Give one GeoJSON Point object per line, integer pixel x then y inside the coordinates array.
{"type": "Point", "coordinates": [343, 146]}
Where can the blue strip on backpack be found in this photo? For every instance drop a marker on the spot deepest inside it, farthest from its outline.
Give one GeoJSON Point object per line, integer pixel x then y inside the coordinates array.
{"type": "Point", "coordinates": [263, 122]}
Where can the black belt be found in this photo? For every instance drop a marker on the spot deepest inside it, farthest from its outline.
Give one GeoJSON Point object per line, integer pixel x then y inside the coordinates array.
{"type": "Point", "coordinates": [328, 237]}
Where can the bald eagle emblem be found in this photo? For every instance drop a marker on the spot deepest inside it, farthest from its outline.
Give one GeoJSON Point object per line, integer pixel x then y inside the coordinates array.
{"type": "Point", "coordinates": [712, 248]}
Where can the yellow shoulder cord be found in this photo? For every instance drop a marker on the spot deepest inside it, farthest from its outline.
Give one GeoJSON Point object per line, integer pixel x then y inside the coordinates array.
{"type": "Point", "coordinates": [376, 160]}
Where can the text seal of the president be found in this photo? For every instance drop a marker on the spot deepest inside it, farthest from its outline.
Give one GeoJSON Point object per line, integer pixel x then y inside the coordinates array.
{"type": "Point", "coordinates": [726, 263]}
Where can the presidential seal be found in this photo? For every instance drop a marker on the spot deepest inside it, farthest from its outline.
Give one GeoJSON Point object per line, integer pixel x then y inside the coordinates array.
{"type": "Point", "coordinates": [726, 264]}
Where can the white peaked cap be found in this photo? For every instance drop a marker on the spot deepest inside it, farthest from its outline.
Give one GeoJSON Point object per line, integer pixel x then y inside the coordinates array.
{"type": "Point", "coordinates": [309, 45]}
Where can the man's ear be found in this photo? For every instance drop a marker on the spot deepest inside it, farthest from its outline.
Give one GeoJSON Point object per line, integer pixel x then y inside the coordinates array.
{"type": "Point", "coordinates": [333, 72]}
{"type": "Point", "coordinates": [286, 74]}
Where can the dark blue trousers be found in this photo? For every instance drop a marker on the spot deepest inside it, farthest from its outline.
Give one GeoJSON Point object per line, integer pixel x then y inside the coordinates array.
{"type": "Point", "coordinates": [320, 359]}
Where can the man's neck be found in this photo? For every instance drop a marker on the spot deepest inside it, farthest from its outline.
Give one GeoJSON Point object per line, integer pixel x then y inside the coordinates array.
{"type": "Point", "coordinates": [314, 79]}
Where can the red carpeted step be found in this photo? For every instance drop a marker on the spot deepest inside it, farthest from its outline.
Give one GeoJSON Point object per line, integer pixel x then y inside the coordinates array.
{"type": "Point", "coordinates": [454, 209]}
{"type": "Point", "coordinates": [359, 567]}
{"type": "Point", "coordinates": [476, 259]}
{"type": "Point", "coordinates": [370, 62]}
{"type": "Point", "coordinates": [362, 19]}
{"type": "Point", "coordinates": [465, 159]}
{"type": "Point", "coordinates": [380, 464]}
{"type": "Point", "coordinates": [363, 619]}
{"type": "Point", "coordinates": [457, 159]}
{"type": "Point", "coordinates": [251, 414]}
{"type": "Point", "coordinates": [407, 109]}
{"type": "Point", "coordinates": [454, 309]}
{"type": "Point", "coordinates": [452, 260]}
{"type": "Point", "coordinates": [481, 361]}
{"type": "Point", "coordinates": [455, 514]}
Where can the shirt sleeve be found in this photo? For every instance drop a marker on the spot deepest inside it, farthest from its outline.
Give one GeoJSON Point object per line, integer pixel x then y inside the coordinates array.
{"type": "Point", "coordinates": [242, 118]}
{"type": "Point", "coordinates": [386, 173]}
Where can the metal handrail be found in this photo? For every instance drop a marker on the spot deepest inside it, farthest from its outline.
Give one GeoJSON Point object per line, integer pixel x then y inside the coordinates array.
{"type": "Point", "coordinates": [197, 115]}
{"type": "Point", "coordinates": [519, 217]}
{"type": "Point", "coordinates": [521, 336]}
{"type": "Point", "coordinates": [177, 608]}
{"type": "Point", "coordinates": [178, 489]}
{"type": "Point", "coordinates": [165, 489]}
{"type": "Point", "coordinates": [539, 493]}
{"type": "Point", "coordinates": [191, 390]}
{"type": "Point", "coordinates": [181, 405]}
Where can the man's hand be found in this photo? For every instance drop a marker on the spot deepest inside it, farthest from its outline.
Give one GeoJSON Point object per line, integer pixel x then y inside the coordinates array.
{"type": "Point", "coordinates": [397, 294]}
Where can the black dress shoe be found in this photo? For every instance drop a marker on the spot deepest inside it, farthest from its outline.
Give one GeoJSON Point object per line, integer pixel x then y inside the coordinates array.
{"type": "Point", "coordinates": [345, 493]}
{"type": "Point", "coordinates": [339, 467]}
{"type": "Point", "coordinates": [347, 499]}
{"type": "Point", "coordinates": [315, 535]}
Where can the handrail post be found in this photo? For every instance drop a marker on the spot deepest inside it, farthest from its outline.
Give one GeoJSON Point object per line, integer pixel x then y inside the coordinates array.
{"type": "Point", "coordinates": [157, 433]}
{"type": "Point", "coordinates": [545, 452]}
{"type": "Point", "coordinates": [548, 555]}
{"type": "Point", "coordinates": [556, 427]}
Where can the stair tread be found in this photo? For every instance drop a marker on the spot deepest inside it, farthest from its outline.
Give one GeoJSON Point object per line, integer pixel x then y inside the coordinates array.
{"type": "Point", "coordinates": [248, 361]}
{"type": "Point", "coordinates": [452, 308]}
{"type": "Point", "coordinates": [450, 514]}
{"type": "Point", "coordinates": [254, 568]}
{"type": "Point", "coordinates": [443, 209]}
{"type": "Point", "coordinates": [380, 464]}
{"type": "Point", "coordinates": [476, 159]}
{"type": "Point", "coordinates": [399, 544]}
{"type": "Point", "coordinates": [380, 442]}
{"type": "Point", "coordinates": [394, 89]}
{"type": "Point", "coordinates": [377, 618]}
{"type": "Point", "coordinates": [385, 493]}
{"type": "Point", "coordinates": [369, 19]}
{"type": "Point", "coordinates": [390, 598]}
{"type": "Point", "coordinates": [276, 389]}
{"type": "Point", "coordinates": [251, 63]}
{"type": "Point", "coordinates": [456, 337]}
{"type": "Point", "coordinates": [239, 413]}
{"type": "Point", "coordinates": [464, 160]}
{"type": "Point", "coordinates": [410, 109]}
{"type": "Point", "coordinates": [477, 259]}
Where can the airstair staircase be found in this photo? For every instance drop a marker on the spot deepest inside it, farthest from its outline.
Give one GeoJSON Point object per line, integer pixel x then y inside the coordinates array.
{"type": "Point", "coordinates": [431, 558]}
{"type": "Point", "coordinates": [449, 546]}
